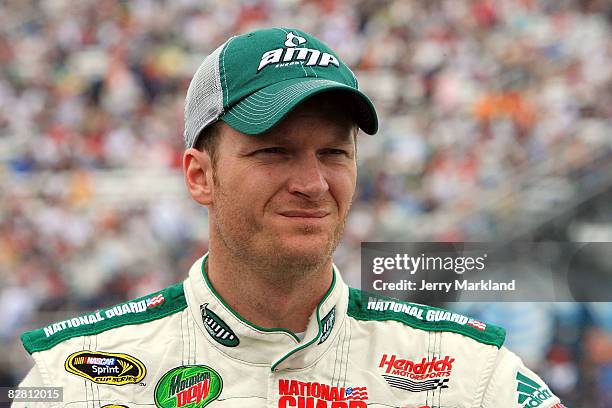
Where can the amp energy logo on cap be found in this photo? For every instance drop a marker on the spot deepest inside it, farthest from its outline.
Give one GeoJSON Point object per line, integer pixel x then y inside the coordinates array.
{"type": "Point", "coordinates": [217, 328]}
{"type": "Point", "coordinates": [192, 386]}
{"type": "Point", "coordinates": [294, 54]}
{"type": "Point", "coordinates": [106, 368]}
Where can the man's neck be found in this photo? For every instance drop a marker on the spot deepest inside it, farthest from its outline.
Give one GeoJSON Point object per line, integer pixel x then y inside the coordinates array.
{"type": "Point", "coordinates": [269, 298]}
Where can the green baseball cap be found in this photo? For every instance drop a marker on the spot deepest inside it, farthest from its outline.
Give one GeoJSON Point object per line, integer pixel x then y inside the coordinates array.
{"type": "Point", "coordinates": [254, 80]}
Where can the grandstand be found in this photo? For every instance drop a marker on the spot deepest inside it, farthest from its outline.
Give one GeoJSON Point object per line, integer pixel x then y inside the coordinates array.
{"type": "Point", "coordinates": [496, 124]}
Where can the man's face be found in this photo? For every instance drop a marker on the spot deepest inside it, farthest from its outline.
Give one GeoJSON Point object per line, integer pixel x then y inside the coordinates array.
{"type": "Point", "coordinates": [282, 197]}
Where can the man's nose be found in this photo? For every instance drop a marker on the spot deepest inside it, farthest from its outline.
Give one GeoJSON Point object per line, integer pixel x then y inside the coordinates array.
{"type": "Point", "coordinates": [307, 177]}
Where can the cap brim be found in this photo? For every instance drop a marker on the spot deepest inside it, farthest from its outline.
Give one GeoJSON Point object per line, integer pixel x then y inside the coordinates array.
{"type": "Point", "coordinates": [265, 108]}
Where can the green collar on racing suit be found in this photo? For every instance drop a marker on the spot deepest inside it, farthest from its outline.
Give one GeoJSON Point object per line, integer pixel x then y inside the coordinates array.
{"type": "Point", "coordinates": [278, 348]}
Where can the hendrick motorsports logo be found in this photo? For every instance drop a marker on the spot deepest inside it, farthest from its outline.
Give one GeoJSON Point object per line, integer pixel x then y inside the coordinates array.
{"type": "Point", "coordinates": [188, 386]}
{"type": "Point", "coordinates": [530, 393]}
{"type": "Point", "coordinates": [217, 328]}
{"type": "Point", "coordinates": [416, 377]}
{"type": "Point", "coordinates": [295, 393]}
{"type": "Point", "coordinates": [293, 55]}
{"type": "Point", "coordinates": [106, 368]}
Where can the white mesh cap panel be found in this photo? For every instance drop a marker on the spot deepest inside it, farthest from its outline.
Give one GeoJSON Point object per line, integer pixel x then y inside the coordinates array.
{"type": "Point", "coordinates": [204, 101]}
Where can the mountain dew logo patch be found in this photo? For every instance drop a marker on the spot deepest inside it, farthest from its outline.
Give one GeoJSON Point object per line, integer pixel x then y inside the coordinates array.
{"type": "Point", "coordinates": [193, 386]}
{"type": "Point", "coordinates": [530, 393]}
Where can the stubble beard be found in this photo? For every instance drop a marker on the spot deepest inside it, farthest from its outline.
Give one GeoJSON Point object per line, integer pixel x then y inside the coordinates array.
{"type": "Point", "coordinates": [273, 262]}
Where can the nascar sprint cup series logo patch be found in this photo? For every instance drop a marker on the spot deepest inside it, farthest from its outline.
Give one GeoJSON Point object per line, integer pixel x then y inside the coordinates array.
{"type": "Point", "coordinates": [106, 368]}
{"type": "Point", "coordinates": [188, 386]}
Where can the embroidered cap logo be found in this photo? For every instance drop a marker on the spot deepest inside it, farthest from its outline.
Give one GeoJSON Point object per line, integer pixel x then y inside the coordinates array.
{"type": "Point", "coordinates": [293, 54]}
{"type": "Point", "coordinates": [290, 37]}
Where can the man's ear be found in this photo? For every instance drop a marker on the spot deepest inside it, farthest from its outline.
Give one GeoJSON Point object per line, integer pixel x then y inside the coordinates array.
{"type": "Point", "coordinates": [198, 172]}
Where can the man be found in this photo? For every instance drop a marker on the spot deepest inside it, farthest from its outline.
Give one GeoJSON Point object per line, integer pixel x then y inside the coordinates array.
{"type": "Point", "coordinates": [264, 319]}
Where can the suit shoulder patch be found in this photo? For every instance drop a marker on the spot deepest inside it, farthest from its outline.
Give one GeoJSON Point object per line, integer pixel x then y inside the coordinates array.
{"type": "Point", "coordinates": [365, 306]}
{"type": "Point", "coordinates": [145, 309]}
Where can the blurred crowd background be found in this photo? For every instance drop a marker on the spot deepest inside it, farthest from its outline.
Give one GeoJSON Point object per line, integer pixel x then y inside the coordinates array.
{"type": "Point", "coordinates": [496, 124]}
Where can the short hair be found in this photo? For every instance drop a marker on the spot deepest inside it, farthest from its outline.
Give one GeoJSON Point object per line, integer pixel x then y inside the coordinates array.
{"type": "Point", "coordinates": [207, 140]}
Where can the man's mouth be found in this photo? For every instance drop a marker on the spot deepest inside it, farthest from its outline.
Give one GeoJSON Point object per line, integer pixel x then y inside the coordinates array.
{"type": "Point", "coordinates": [304, 213]}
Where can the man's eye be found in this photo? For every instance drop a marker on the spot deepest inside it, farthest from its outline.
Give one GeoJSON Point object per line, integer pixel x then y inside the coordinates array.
{"type": "Point", "coordinates": [271, 150]}
{"type": "Point", "coordinates": [335, 152]}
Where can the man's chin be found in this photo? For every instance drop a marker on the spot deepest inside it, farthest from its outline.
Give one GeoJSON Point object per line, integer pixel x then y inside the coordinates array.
{"type": "Point", "coordinates": [308, 250]}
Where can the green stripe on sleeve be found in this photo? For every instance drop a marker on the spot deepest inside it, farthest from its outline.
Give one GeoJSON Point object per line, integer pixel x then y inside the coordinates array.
{"type": "Point", "coordinates": [364, 306]}
{"type": "Point", "coordinates": [145, 309]}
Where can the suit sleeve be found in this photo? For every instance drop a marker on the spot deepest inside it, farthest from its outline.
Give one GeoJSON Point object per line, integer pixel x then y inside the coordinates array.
{"type": "Point", "coordinates": [32, 379]}
{"type": "Point", "coordinates": [512, 385]}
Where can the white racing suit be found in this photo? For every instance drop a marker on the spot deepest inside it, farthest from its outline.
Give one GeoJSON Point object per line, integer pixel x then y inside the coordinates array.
{"type": "Point", "coordinates": [184, 347]}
